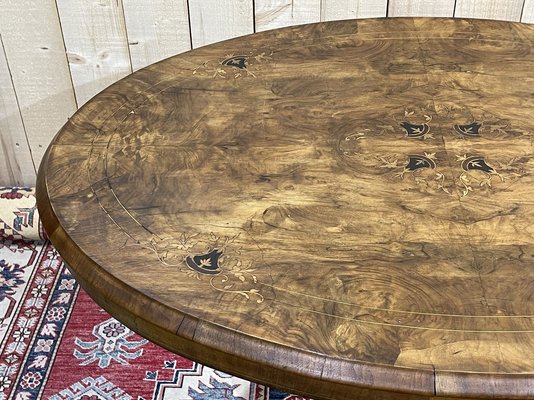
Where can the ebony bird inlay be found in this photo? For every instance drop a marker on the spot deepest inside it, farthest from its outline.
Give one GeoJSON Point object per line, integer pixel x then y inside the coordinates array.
{"type": "Point", "coordinates": [468, 130]}
{"type": "Point", "coordinates": [416, 162]}
{"type": "Point", "coordinates": [477, 163]}
{"type": "Point", "coordinates": [236, 61]}
{"type": "Point", "coordinates": [414, 130]}
{"type": "Point", "coordinates": [205, 263]}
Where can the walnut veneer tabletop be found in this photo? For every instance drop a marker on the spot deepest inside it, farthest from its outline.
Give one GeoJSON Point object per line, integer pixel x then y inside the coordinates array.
{"type": "Point", "coordinates": [344, 210]}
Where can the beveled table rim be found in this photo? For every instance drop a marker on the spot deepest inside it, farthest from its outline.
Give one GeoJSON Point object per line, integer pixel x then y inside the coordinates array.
{"type": "Point", "coordinates": [214, 345]}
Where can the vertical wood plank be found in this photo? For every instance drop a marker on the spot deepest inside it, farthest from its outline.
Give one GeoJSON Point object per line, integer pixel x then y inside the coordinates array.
{"type": "Point", "coordinates": [156, 32]}
{"type": "Point", "coordinates": [16, 164]}
{"type": "Point", "coordinates": [216, 20]}
{"type": "Point", "coordinates": [97, 48]}
{"type": "Point", "coordinates": [528, 12]}
{"type": "Point", "coordinates": [421, 8]}
{"type": "Point", "coordinates": [35, 53]}
{"type": "Point", "coordinates": [347, 9]}
{"type": "Point", "coordinates": [271, 14]}
{"type": "Point", "coordinates": [507, 10]}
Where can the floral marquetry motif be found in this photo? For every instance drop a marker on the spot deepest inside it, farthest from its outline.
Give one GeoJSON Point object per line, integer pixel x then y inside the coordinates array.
{"type": "Point", "coordinates": [344, 210]}
{"type": "Point", "coordinates": [223, 264]}
{"type": "Point", "coordinates": [234, 66]}
{"type": "Point", "coordinates": [426, 147]}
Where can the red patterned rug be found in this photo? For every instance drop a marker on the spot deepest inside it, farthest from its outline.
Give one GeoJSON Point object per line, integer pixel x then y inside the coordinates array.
{"type": "Point", "coordinates": [57, 344]}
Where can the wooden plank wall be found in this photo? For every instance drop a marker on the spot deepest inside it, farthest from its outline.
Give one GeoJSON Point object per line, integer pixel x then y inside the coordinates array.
{"type": "Point", "coordinates": [36, 66]}
{"type": "Point", "coordinates": [56, 55]}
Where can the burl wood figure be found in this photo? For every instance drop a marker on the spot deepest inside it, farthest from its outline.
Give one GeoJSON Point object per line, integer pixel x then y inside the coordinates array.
{"type": "Point", "coordinates": [343, 210]}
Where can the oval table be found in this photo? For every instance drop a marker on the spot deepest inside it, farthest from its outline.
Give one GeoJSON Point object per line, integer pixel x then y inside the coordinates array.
{"type": "Point", "coordinates": [343, 210]}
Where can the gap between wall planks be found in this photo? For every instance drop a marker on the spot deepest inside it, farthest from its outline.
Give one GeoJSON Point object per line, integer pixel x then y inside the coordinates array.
{"type": "Point", "coordinates": [96, 43]}
{"type": "Point", "coordinates": [15, 158]}
{"type": "Point", "coordinates": [107, 39]}
{"type": "Point", "coordinates": [157, 32]}
{"type": "Point", "coordinates": [216, 20]}
{"type": "Point", "coordinates": [35, 53]}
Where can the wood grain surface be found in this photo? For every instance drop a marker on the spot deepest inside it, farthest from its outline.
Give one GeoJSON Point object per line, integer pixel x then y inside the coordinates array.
{"type": "Point", "coordinates": [418, 8]}
{"type": "Point", "coordinates": [17, 164]}
{"type": "Point", "coordinates": [41, 88]}
{"type": "Point", "coordinates": [271, 14]}
{"type": "Point", "coordinates": [343, 210]}
{"type": "Point", "coordinates": [215, 20]}
{"type": "Point", "coordinates": [527, 15]}
{"type": "Point", "coordinates": [96, 42]}
{"type": "Point", "coordinates": [332, 10]}
{"type": "Point", "coordinates": [156, 32]}
{"type": "Point", "coordinates": [509, 10]}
